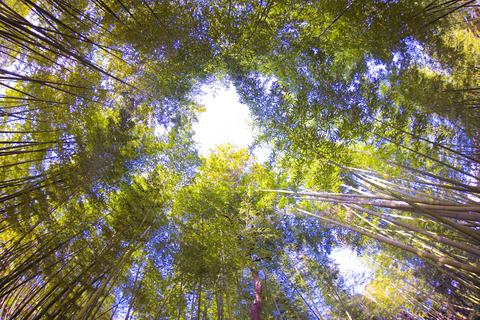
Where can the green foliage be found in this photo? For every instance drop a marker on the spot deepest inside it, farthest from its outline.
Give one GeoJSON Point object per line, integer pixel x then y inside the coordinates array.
{"type": "Point", "coordinates": [107, 209]}
{"type": "Point", "coordinates": [225, 220]}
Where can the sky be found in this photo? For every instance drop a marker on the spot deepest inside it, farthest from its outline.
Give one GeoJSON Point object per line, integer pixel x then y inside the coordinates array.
{"type": "Point", "coordinates": [355, 273]}
{"type": "Point", "coordinates": [226, 120]}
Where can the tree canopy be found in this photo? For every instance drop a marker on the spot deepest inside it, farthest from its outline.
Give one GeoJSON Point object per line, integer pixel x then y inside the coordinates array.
{"type": "Point", "coordinates": [370, 110]}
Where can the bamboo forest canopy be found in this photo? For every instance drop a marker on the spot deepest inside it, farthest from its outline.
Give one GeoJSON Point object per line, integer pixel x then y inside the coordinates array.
{"type": "Point", "coordinates": [370, 109]}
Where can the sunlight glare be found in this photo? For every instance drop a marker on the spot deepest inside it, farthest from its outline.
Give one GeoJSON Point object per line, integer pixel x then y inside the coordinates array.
{"type": "Point", "coordinates": [225, 120]}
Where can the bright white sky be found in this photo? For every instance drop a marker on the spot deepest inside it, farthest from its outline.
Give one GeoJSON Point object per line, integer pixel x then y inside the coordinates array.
{"type": "Point", "coordinates": [225, 121]}
{"type": "Point", "coordinates": [353, 271]}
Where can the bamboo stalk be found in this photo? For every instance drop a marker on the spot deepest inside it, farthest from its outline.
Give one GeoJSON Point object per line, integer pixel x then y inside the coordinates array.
{"type": "Point", "coordinates": [422, 254]}
{"type": "Point", "coordinates": [440, 239]}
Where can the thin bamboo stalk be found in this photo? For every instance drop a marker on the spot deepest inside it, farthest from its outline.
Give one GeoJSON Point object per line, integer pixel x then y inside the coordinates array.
{"type": "Point", "coordinates": [422, 254]}
{"type": "Point", "coordinates": [432, 235]}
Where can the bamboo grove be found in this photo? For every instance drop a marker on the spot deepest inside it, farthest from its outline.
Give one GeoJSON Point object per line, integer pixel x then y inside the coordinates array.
{"type": "Point", "coordinates": [369, 108]}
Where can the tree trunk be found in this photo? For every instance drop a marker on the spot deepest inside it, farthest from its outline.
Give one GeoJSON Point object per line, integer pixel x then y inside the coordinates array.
{"type": "Point", "coordinates": [220, 299]}
{"type": "Point", "coordinates": [256, 308]}
{"type": "Point", "coordinates": [229, 305]}
{"type": "Point", "coordinates": [199, 308]}
{"type": "Point", "coordinates": [240, 300]}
